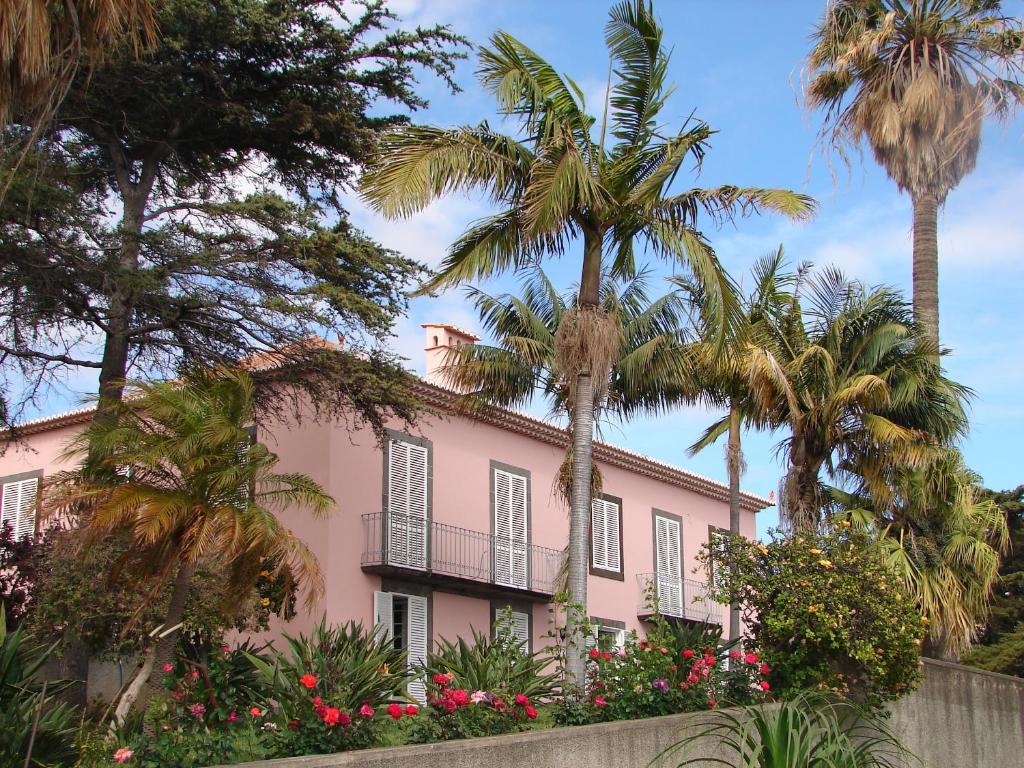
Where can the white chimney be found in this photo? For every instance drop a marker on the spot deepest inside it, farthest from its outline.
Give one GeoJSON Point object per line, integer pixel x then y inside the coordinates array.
{"type": "Point", "coordinates": [440, 337]}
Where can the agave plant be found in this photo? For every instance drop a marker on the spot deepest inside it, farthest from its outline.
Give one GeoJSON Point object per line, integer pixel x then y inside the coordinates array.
{"type": "Point", "coordinates": [808, 731]}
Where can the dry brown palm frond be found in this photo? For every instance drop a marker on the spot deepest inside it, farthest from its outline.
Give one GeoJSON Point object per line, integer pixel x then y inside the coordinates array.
{"type": "Point", "coordinates": [587, 342]}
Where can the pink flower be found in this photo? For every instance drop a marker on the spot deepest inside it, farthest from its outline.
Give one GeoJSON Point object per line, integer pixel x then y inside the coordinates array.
{"type": "Point", "coordinates": [622, 653]}
{"type": "Point", "coordinates": [712, 703]}
{"type": "Point", "coordinates": [600, 702]}
{"type": "Point", "coordinates": [530, 712]}
{"type": "Point", "coordinates": [232, 716]}
{"type": "Point", "coordinates": [688, 654]}
{"type": "Point", "coordinates": [460, 697]}
{"type": "Point", "coordinates": [225, 650]}
{"type": "Point", "coordinates": [168, 667]}
{"type": "Point", "coordinates": [366, 710]}
{"type": "Point", "coordinates": [765, 686]}
{"type": "Point", "coordinates": [197, 710]}
{"type": "Point", "coordinates": [123, 755]}
{"type": "Point", "coordinates": [750, 658]}
{"type": "Point", "coordinates": [412, 710]}
{"type": "Point", "coordinates": [522, 700]}
{"type": "Point", "coordinates": [317, 701]}
{"type": "Point", "coordinates": [664, 651]}
{"type": "Point", "coordinates": [308, 680]}
{"type": "Point", "coordinates": [479, 696]}
{"type": "Point", "coordinates": [765, 669]}
{"type": "Point", "coordinates": [735, 655]}
{"type": "Point", "coordinates": [195, 674]}
{"type": "Point", "coordinates": [395, 710]}
{"type": "Point", "coordinates": [256, 712]}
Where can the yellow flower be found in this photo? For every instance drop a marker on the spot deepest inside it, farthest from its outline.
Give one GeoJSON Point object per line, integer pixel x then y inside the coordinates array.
{"type": "Point", "coordinates": [265, 602]}
{"type": "Point", "coordinates": [762, 549]}
{"type": "Point", "coordinates": [815, 551]}
{"type": "Point", "coordinates": [825, 563]}
{"type": "Point", "coordinates": [264, 574]}
{"type": "Point", "coordinates": [385, 670]}
{"type": "Point", "coordinates": [844, 523]}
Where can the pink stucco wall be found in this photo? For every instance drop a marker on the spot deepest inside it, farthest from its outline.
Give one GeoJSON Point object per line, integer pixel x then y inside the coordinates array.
{"type": "Point", "coordinates": [351, 467]}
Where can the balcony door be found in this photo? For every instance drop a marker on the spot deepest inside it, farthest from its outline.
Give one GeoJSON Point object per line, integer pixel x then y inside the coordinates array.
{"type": "Point", "coordinates": [667, 564]}
{"type": "Point", "coordinates": [511, 494]}
{"type": "Point", "coordinates": [406, 525]}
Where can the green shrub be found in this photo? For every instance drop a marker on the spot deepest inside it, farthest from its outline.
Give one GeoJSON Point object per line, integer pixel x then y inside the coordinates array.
{"type": "Point", "coordinates": [20, 698]}
{"type": "Point", "coordinates": [826, 613]}
{"type": "Point", "coordinates": [482, 688]}
{"type": "Point", "coordinates": [328, 692]}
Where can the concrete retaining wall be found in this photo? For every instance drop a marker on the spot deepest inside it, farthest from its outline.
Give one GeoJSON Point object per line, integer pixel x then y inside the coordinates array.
{"type": "Point", "coordinates": [960, 718]}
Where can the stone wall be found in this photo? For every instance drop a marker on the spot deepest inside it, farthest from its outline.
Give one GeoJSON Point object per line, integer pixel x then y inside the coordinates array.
{"type": "Point", "coordinates": [959, 718]}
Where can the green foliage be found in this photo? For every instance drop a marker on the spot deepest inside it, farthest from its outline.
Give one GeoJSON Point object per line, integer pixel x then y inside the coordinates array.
{"type": "Point", "coordinates": [826, 613]}
{"type": "Point", "coordinates": [18, 559]}
{"type": "Point", "coordinates": [478, 688]}
{"type": "Point", "coordinates": [21, 697]}
{"type": "Point", "coordinates": [807, 730]}
{"type": "Point", "coordinates": [675, 669]}
{"type": "Point", "coordinates": [324, 691]}
{"type": "Point", "coordinates": [1001, 645]}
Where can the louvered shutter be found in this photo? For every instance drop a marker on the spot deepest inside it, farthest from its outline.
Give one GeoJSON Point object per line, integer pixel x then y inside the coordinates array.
{"type": "Point", "coordinates": [667, 567]}
{"type": "Point", "coordinates": [510, 529]}
{"type": "Point", "coordinates": [18, 507]}
{"type": "Point", "coordinates": [521, 629]}
{"type": "Point", "coordinates": [605, 541]}
{"type": "Point", "coordinates": [407, 504]}
{"type": "Point", "coordinates": [417, 647]}
{"type": "Point", "coordinates": [719, 542]}
{"type": "Point", "coordinates": [383, 615]}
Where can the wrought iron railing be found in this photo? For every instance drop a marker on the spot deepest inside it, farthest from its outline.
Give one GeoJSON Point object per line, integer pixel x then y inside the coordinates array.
{"type": "Point", "coordinates": [678, 598]}
{"type": "Point", "coordinates": [401, 541]}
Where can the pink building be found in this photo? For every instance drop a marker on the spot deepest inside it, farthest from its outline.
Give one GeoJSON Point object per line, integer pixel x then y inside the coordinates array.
{"type": "Point", "coordinates": [442, 528]}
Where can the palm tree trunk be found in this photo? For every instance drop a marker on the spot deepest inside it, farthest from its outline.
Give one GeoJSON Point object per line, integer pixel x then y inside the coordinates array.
{"type": "Point", "coordinates": [926, 264]}
{"type": "Point", "coordinates": [148, 681]}
{"type": "Point", "coordinates": [735, 462]}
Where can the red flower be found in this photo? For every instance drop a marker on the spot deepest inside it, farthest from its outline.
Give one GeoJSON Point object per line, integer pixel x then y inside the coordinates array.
{"type": "Point", "coordinates": [735, 655]}
{"type": "Point", "coordinates": [344, 719]}
{"type": "Point", "coordinates": [441, 680]}
{"type": "Point", "coordinates": [664, 651]}
{"type": "Point", "coordinates": [308, 680]}
{"type": "Point", "coordinates": [712, 703]}
{"type": "Point", "coordinates": [499, 704]}
{"type": "Point", "coordinates": [294, 725]}
{"type": "Point", "coordinates": [366, 710]}
{"type": "Point", "coordinates": [395, 710]}
{"type": "Point", "coordinates": [411, 710]}
{"type": "Point", "coordinates": [750, 658]}
{"type": "Point", "coordinates": [530, 712]}
{"type": "Point", "coordinates": [688, 654]}
{"type": "Point", "coordinates": [331, 716]}
{"type": "Point", "coordinates": [600, 702]}
{"type": "Point", "coordinates": [606, 656]}
{"type": "Point", "coordinates": [683, 686]}
{"type": "Point", "coordinates": [460, 697]}
{"type": "Point", "coordinates": [521, 699]}
{"type": "Point", "coordinates": [764, 685]}
{"type": "Point", "coordinates": [594, 653]}
{"type": "Point", "coordinates": [449, 706]}
{"type": "Point", "coordinates": [225, 650]}
{"type": "Point", "coordinates": [256, 712]}
{"type": "Point", "coordinates": [317, 701]}
{"type": "Point", "coordinates": [765, 669]}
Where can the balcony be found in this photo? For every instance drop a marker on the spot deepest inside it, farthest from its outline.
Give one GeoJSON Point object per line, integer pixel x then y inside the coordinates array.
{"type": "Point", "coordinates": [438, 553]}
{"type": "Point", "coordinates": [685, 599]}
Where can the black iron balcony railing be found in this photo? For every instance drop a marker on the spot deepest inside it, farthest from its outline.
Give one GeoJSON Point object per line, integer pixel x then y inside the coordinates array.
{"type": "Point", "coordinates": [413, 544]}
{"type": "Point", "coordinates": [677, 598]}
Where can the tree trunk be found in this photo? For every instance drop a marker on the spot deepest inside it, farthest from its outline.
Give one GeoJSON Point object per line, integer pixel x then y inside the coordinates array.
{"type": "Point", "coordinates": [148, 681]}
{"type": "Point", "coordinates": [926, 264]}
{"type": "Point", "coordinates": [582, 427]}
{"type": "Point", "coordinates": [802, 502]}
{"type": "Point", "coordinates": [735, 468]}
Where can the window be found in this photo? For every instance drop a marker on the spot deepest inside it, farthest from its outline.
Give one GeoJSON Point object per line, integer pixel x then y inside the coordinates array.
{"type": "Point", "coordinates": [718, 540]}
{"type": "Point", "coordinates": [408, 502]}
{"type": "Point", "coordinates": [18, 505]}
{"type": "Point", "coordinates": [510, 500]}
{"type": "Point", "coordinates": [606, 537]}
{"type": "Point", "coordinates": [403, 619]}
{"type": "Point", "coordinates": [519, 623]}
{"type": "Point", "coordinates": [668, 563]}
{"type": "Point", "coordinates": [608, 634]}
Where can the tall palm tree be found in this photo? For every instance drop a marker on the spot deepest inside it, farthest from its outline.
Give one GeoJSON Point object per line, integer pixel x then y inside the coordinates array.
{"type": "Point", "coordinates": [554, 183]}
{"type": "Point", "coordinates": [942, 538]}
{"type": "Point", "coordinates": [177, 472]}
{"type": "Point", "coordinates": [915, 79]}
{"type": "Point", "coordinates": [723, 375]}
{"type": "Point", "coordinates": [854, 381]}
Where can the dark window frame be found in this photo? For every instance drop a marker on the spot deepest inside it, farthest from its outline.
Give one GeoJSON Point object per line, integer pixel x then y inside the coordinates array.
{"type": "Point", "coordinates": [519, 606]}
{"type": "Point", "coordinates": [524, 473]}
{"type": "Point", "coordinates": [619, 575]}
{"type": "Point", "coordinates": [422, 442]}
{"type": "Point", "coordinates": [28, 475]}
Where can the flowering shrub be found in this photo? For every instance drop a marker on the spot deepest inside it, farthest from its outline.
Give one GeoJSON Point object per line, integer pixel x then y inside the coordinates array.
{"type": "Point", "coordinates": [331, 692]}
{"type": "Point", "coordinates": [657, 676]}
{"type": "Point", "coordinates": [826, 612]}
{"type": "Point", "coordinates": [487, 687]}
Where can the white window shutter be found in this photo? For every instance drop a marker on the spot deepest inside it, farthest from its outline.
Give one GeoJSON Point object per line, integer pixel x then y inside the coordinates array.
{"type": "Point", "coordinates": [521, 629]}
{"type": "Point", "coordinates": [383, 615]}
{"type": "Point", "coordinates": [18, 507]}
{"type": "Point", "coordinates": [418, 641]}
{"type": "Point", "coordinates": [719, 540]}
{"type": "Point", "coordinates": [605, 542]}
{"type": "Point", "coordinates": [407, 504]}
{"type": "Point", "coordinates": [510, 529]}
{"type": "Point", "coordinates": [667, 566]}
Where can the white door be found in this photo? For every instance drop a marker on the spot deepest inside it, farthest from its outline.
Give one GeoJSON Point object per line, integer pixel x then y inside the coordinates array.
{"type": "Point", "coordinates": [417, 647]}
{"type": "Point", "coordinates": [667, 566]}
{"type": "Point", "coordinates": [19, 507]}
{"type": "Point", "coordinates": [510, 548]}
{"type": "Point", "coordinates": [406, 527]}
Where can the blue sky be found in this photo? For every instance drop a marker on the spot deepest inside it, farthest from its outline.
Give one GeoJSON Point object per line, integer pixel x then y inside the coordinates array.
{"type": "Point", "coordinates": [737, 66]}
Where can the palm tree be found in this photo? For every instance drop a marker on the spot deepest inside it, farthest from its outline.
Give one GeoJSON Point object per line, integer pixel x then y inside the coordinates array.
{"type": "Point", "coordinates": [177, 472]}
{"type": "Point", "coordinates": [941, 537]}
{"type": "Point", "coordinates": [915, 79]}
{"type": "Point", "coordinates": [554, 183]}
{"type": "Point", "coordinates": [853, 380]}
{"type": "Point", "coordinates": [724, 375]}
